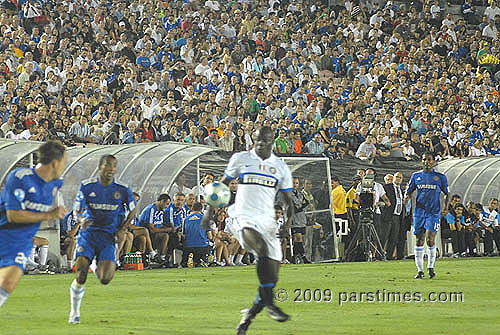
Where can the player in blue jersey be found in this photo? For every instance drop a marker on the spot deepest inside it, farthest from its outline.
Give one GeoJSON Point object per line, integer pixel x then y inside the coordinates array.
{"type": "Point", "coordinates": [103, 202]}
{"type": "Point", "coordinates": [262, 176]}
{"type": "Point", "coordinates": [27, 200]}
{"type": "Point", "coordinates": [196, 238]}
{"type": "Point", "coordinates": [69, 227]}
{"type": "Point", "coordinates": [141, 234]}
{"type": "Point", "coordinates": [153, 217]}
{"type": "Point", "coordinates": [427, 215]}
{"type": "Point", "coordinates": [175, 215]}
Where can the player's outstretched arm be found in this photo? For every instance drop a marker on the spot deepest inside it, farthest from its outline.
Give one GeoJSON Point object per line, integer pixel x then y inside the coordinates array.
{"type": "Point", "coordinates": [29, 217]}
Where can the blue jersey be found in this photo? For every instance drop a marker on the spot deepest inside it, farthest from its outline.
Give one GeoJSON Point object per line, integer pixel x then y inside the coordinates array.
{"type": "Point", "coordinates": [152, 215]}
{"type": "Point", "coordinates": [450, 218]}
{"type": "Point", "coordinates": [429, 186]}
{"type": "Point", "coordinates": [105, 206]}
{"type": "Point", "coordinates": [194, 235]}
{"type": "Point", "coordinates": [24, 190]}
{"type": "Point", "coordinates": [175, 215]}
{"type": "Point", "coordinates": [67, 224]}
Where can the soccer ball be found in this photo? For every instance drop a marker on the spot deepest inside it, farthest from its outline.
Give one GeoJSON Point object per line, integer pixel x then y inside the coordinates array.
{"type": "Point", "coordinates": [217, 194]}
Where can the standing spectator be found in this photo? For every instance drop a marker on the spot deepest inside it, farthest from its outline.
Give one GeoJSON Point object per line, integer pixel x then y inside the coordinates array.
{"type": "Point", "coordinates": [394, 214]}
{"type": "Point", "coordinates": [299, 222]}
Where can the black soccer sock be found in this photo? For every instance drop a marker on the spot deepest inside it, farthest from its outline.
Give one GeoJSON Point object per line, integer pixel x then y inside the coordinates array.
{"type": "Point", "coordinates": [267, 279]}
{"type": "Point", "coordinates": [257, 306]}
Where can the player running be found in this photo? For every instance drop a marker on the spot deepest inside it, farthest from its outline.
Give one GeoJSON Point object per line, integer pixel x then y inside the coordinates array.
{"type": "Point", "coordinates": [261, 175]}
{"type": "Point", "coordinates": [103, 203]}
{"type": "Point", "coordinates": [25, 202]}
{"type": "Point", "coordinates": [426, 217]}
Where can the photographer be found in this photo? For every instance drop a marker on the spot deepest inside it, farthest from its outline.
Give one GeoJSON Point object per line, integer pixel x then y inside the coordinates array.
{"type": "Point", "coordinates": [378, 192]}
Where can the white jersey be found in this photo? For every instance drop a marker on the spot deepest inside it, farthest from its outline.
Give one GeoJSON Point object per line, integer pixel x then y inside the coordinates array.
{"type": "Point", "coordinates": [259, 181]}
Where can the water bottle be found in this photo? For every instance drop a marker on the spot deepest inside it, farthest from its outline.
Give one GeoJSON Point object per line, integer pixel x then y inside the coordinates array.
{"type": "Point", "coordinates": [126, 259]}
{"type": "Point", "coordinates": [139, 257]}
{"type": "Point", "coordinates": [190, 260]}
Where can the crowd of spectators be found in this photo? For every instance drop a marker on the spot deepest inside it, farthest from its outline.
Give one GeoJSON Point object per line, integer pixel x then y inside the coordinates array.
{"type": "Point", "coordinates": [366, 80]}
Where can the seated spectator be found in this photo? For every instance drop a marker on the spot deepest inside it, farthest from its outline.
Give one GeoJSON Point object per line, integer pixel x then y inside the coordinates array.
{"type": "Point", "coordinates": [281, 144]}
{"type": "Point", "coordinates": [211, 140]}
{"type": "Point", "coordinates": [315, 146]}
{"type": "Point", "coordinates": [477, 149]}
{"type": "Point", "coordinates": [367, 149]}
{"type": "Point", "coordinates": [488, 221]}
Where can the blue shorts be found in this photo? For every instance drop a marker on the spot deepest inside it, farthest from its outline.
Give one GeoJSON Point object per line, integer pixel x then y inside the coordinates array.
{"type": "Point", "coordinates": [424, 220]}
{"type": "Point", "coordinates": [96, 244]}
{"type": "Point", "coordinates": [17, 256]}
{"type": "Point", "coordinates": [14, 253]}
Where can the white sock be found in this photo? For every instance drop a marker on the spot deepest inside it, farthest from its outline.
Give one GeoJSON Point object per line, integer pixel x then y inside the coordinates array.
{"type": "Point", "coordinates": [431, 254]}
{"type": "Point", "coordinates": [32, 254]}
{"type": "Point", "coordinates": [43, 252]}
{"type": "Point", "coordinates": [231, 258]}
{"type": "Point", "coordinates": [4, 295]}
{"type": "Point", "coordinates": [239, 258]}
{"type": "Point", "coordinates": [419, 258]}
{"type": "Point", "coordinates": [76, 293]}
{"type": "Point", "coordinates": [31, 260]}
{"type": "Point", "coordinates": [177, 256]}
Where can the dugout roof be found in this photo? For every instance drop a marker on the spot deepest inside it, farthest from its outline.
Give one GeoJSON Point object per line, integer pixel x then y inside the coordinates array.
{"type": "Point", "coordinates": [147, 168]}
{"type": "Point", "coordinates": [475, 179]}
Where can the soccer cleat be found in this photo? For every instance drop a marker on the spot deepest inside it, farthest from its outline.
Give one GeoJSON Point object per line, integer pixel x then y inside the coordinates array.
{"type": "Point", "coordinates": [420, 275]}
{"type": "Point", "coordinates": [432, 274]}
{"type": "Point", "coordinates": [277, 314]}
{"type": "Point", "coordinates": [246, 320]}
{"type": "Point", "coordinates": [74, 319]}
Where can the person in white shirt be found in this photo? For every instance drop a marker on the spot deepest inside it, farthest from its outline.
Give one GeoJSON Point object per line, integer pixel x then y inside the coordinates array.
{"type": "Point", "coordinates": [178, 186]}
{"type": "Point", "coordinates": [261, 176]}
{"type": "Point", "coordinates": [490, 31]}
{"type": "Point", "coordinates": [491, 11]}
{"type": "Point", "coordinates": [477, 149]}
{"type": "Point", "coordinates": [376, 18]}
{"type": "Point", "coordinates": [203, 67]}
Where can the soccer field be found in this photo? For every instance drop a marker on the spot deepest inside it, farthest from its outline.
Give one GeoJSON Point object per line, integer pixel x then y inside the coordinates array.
{"type": "Point", "coordinates": [208, 300]}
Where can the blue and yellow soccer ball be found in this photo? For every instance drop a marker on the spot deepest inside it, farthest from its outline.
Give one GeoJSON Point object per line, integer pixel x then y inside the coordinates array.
{"type": "Point", "coordinates": [217, 194]}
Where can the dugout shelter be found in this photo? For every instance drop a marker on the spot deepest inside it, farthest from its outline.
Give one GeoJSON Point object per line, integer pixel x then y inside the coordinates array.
{"type": "Point", "coordinates": [150, 168]}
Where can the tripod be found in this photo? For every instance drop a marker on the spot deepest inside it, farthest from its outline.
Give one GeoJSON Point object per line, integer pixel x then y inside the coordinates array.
{"type": "Point", "coordinates": [365, 244]}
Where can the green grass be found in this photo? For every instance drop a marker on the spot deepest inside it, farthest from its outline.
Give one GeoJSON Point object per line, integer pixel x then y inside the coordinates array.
{"type": "Point", "coordinates": [207, 301]}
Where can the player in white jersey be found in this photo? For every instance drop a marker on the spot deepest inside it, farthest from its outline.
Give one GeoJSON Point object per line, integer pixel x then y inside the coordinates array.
{"type": "Point", "coordinates": [261, 176]}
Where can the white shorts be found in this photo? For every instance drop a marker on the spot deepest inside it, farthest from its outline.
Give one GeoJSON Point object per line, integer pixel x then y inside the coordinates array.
{"type": "Point", "coordinates": [268, 230]}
